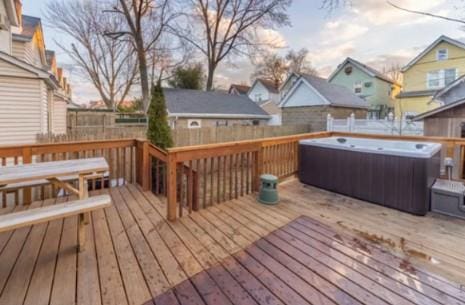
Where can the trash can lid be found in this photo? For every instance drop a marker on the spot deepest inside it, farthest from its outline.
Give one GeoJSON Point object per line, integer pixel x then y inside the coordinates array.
{"type": "Point", "coordinates": [269, 178]}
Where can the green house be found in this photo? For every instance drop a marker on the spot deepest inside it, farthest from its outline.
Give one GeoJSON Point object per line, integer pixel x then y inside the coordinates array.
{"type": "Point", "coordinates": [377, 89]}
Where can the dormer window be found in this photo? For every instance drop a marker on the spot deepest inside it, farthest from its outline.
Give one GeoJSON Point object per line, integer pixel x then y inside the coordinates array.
{"type": "Point", "coordinates": [258, 97]}
{"type": "Point", "coordinates": [442, 54]}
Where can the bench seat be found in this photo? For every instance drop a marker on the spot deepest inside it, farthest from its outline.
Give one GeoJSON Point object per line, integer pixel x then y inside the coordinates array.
{"type": "Point", "coordinates": [40, 182]}
{"type": "Point", "coordinates": [29, 217]}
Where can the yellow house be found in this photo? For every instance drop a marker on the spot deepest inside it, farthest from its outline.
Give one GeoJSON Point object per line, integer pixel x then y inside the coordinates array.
{"type": "Point", "coordinates": [437, 66]}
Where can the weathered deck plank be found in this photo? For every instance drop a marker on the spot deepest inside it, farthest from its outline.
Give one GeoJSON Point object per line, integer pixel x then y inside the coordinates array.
{"type": "Point", "coordinates": [237, 252]}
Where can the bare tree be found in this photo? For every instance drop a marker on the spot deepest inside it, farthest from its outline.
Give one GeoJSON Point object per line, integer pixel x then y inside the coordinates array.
{"type": "Point", "coordinates": [108, 64]}
{"type": "Point", "coordinates": [332, 5]}
{"type": "Point", "coordinates": [144, 25]}
{"type": "Point", "coordinates": [272, 67]}
{"type": "Point", "coordinates": [462, 21]}
{"type": "Point", "coordinates": [298, 62]}
{"type": "Point", "coordinates": [393, 71]}
{"type": "Point", "coordinates": [222, 28]}
{"type": "Point", "coordinates": [275, 67]}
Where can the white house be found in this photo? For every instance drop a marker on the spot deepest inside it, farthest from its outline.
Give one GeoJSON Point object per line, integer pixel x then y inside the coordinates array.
{"type": "Point", "coordinates": [33, 92]}
{"type": "Point", "coordinates": [266, 94]}
{"type": "Point", "coordinates": [311, 98]}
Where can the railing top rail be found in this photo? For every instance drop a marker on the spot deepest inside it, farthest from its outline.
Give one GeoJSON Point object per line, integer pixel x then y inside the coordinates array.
{"type": "Point", "coordinates": [35, 145]}
{"type": "Point", "coordinates": [44, 148]}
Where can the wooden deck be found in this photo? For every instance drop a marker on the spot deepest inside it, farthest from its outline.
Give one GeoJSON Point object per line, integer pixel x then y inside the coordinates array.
{"type": "Point", "coordinates": [341, 253]}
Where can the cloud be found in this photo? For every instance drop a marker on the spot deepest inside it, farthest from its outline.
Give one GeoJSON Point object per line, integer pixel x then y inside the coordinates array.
{"type": "Point", "coordinates": [334, 31]}
{"type": "Point", "coordinates": [379, 12]}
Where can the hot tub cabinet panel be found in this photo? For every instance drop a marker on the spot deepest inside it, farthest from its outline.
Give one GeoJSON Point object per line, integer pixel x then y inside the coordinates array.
{"type": "Point", "coordinates": [399, 182]}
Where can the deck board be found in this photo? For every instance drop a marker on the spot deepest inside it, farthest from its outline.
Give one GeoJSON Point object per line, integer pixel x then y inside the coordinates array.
{"type": "Point", "coordinates": [315, 247]}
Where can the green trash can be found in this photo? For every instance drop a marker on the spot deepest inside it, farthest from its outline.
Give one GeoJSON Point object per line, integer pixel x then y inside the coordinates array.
{"type": "Point", "coordinates": [268, 189]}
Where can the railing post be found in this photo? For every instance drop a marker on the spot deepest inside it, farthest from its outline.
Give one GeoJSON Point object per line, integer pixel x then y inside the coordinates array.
{"type": "Point", "coordinates": [27, 158]}
{"type": "Point", "coordinates": [172, 186]}
{"type": "Point", "coordinates": [144, 165]}
{"type": "Point", "coordinates": [258, 168]}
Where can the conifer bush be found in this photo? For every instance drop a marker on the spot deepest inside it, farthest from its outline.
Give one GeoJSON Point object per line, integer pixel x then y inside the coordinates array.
{"type": "Point", "coordinates": [158, 131]}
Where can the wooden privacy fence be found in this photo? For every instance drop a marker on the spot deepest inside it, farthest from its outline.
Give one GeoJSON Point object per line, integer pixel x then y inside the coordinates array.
{"type": "Point", "coordinates": [120, 155]}
{"type": "Point", "coordinates": [210, 135]}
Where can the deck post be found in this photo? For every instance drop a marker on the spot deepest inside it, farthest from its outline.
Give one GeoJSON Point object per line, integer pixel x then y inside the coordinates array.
{"type": "Point", "coordinates": [27, 158]}
{"type": "Point", "coordinates": [172, 186]}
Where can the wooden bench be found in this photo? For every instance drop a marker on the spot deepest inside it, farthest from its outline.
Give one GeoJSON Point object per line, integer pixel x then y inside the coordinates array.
{"type": "Point", "coordinates": [81, 207]}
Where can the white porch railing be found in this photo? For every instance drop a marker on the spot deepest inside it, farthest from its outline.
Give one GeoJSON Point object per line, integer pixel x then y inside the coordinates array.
{"type": "Point", "coordinates": [387, 126]}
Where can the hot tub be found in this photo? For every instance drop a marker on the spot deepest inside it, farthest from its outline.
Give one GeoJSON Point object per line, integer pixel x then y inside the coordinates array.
{"type": "Point", "coordinates": [395, 174]}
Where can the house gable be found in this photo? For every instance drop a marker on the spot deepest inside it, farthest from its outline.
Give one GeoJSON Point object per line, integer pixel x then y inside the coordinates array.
{"type": "Point", "coordinates": [258, 92]}
{"type": "Point", "coordinates": [302, 94]}
{"type": "Point", "coordinates": [429, 54]}
{"type": "Point", "coordinates": [417, 76]}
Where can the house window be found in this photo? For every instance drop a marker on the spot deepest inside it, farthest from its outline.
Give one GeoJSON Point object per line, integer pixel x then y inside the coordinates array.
{"type": "Point", "coordinates": [258, 97]}
{"type": "Point", "coordinates": [255, 122]}
{"type": "Point", "coordinates": [221, 123]}
{"type": "Point", "coordinates": [440, 78]}
{"type": "Point", "coordinates": [194, 124]}
{"type": "Point", "coordinates": [442, 54]}
{"type": "Point", "coordinates": [449, 76]}
{"type": "Point", "coordinates": [358, 87]}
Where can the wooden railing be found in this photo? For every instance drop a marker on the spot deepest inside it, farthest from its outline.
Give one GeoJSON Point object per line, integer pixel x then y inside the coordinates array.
{"type": "Point", "coordinates": [192, 177]}
{"type": "Point", "coordinates": [120, 155]}
{"type": "Point", "coordinates": [226, 171]}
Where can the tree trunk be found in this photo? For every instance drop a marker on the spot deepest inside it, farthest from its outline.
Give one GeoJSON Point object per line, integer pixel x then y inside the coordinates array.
{"type": "Point", "coordinates": [143, 73]}
{"type": "Point", "coordinates": [211, 73]}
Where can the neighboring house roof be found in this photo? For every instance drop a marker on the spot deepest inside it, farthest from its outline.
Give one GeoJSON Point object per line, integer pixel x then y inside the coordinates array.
{"type": "Point", "coordinates": [333, 94]}
{"type": "Point", "coordinates": [449, 97]}
{"type": "Point", "coordinates": [205, 104]}
{"type": "Point", "coordinates": [29, 25]}
{"type": "Point", "coordinates": [367, 69]}
{"type": "Point", "coordinates": [416, 93]}
{"type": "Point", "coordinates": [448, 88]}
{"type": "Point", "coordinates": [268, 84]}
{"type": "Point", "coordinates": [442, 108]}
{"type": "Point", "coordinates": [442, 38]}
{"type": "Point", "coordinates": [241, 89]}
{"type": "Point", "coordinates": [288, 78]}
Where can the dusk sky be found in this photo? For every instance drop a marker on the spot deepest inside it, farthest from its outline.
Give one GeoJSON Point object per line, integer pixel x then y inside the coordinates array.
{"type": "Point", "coordinates": [370, 31]}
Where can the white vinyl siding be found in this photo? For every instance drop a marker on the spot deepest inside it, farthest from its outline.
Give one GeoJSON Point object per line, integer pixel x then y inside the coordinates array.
{"type": "Point", "coordinates": [24, 51]}
{"type": "Point", "coordinates": [59, 117]}
{"type": "Point", "coordinates": [21, 110]}
{"type": "Point", "coordinates": [7, 69]}
{"type": "Point", "coordinates": [303, 95]}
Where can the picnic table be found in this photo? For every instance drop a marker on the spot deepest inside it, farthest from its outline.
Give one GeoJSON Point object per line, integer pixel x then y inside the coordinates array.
{"type": "Point", "coordinates": [62, 174]}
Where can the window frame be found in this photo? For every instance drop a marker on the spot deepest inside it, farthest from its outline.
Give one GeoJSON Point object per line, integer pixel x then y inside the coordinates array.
{"type": "Point", "coordinates": [358, 85]}
{"type": "Point", "coordinates": [190, 121]}
{"type": "Point", "coordinates": [446, 54]}
{"type": "Point", "coordinates": [441, 78]}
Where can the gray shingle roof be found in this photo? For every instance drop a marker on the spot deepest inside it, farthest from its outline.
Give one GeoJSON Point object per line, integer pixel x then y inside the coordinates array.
{"type": "Point", "coordinates": [336, 95]}
{"type": "Point", "coordinates": [184, 101]}
{"type": "Point", "coordinates": [30, 24]}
